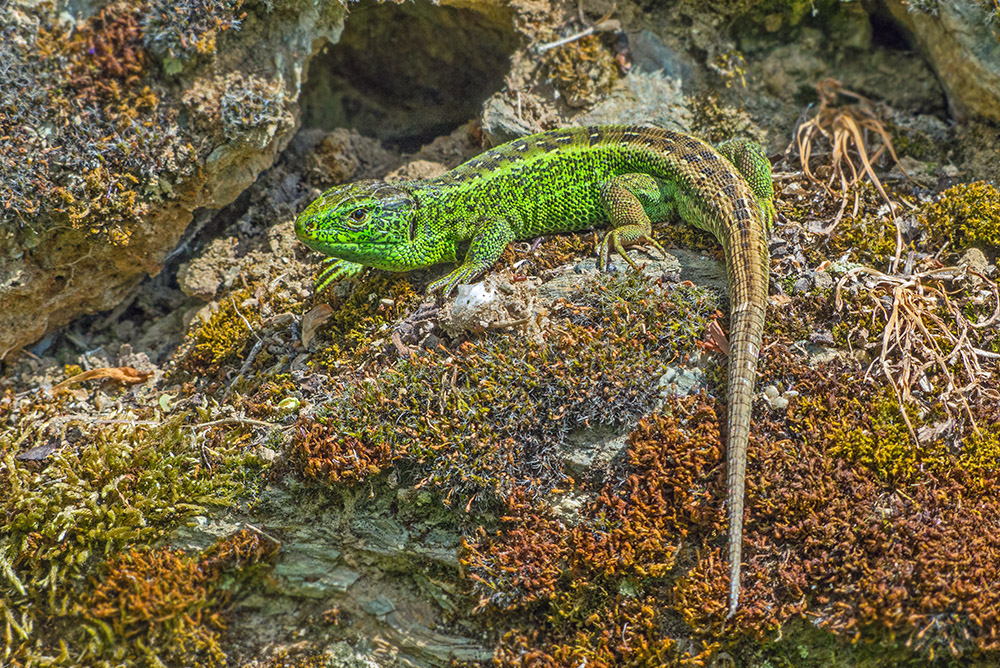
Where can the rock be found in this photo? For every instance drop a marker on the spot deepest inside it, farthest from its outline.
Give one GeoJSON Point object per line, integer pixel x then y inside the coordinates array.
{"type": "Point", "coordinates": [89, 234]}
{"type": "Point", "coordinates": [962, 47]}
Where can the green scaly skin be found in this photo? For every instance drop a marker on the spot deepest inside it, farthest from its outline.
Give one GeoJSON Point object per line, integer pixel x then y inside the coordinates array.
{"type": "Point", "coordinates": [566, 180]}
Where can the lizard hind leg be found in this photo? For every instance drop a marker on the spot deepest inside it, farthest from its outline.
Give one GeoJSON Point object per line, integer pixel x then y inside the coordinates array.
{"type": "Point", "coordinates": [627, 200]}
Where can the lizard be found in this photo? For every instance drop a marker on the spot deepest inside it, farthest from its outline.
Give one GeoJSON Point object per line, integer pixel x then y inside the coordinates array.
{"type": "Point", "coordinates": [565, 180]}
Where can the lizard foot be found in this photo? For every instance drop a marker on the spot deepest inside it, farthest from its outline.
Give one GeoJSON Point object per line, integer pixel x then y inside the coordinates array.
{"type": "Point", "coordinates": [612, 239]}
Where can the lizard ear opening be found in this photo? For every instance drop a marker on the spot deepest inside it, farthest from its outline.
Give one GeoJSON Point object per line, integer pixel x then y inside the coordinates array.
{"type": "Point", "coordinates": [413, 228]}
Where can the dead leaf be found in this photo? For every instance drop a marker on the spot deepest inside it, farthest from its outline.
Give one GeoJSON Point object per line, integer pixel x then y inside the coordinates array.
{"type": "Point", "coordinates": [123, 374]}
{"type": "Point", "coordinates": [780, 300]}
{"type": "Point", "coordinates": [715, 338]}
{"type": "Point", "coordinates": [311, 321]}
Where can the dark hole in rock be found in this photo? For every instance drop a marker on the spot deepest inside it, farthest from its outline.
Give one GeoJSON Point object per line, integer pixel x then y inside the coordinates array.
{"type": "Point", "coordinates": [889, 33]}
{"type": "Point", "coordinates": [408, 73]}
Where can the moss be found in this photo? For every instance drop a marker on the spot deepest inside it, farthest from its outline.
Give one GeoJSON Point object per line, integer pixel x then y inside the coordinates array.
{"type": "Point", "coordinates": [777, 15]}
{"type": "Point", "coordinates": [872, 432]}
{"type": "Point", "coordinates": [582, 70]}
{"type": "Point", "coordinates": [601, 581]}
{"type": "Point", "coordinates": [715, 122]}
{"type": "Point", "coordinates": [149, 606]}
{"type": "Point", "coordinates": [159, 605]}
{"type": "Point", "coordinates": [79, 158]}
{"type": "Point", "coordinates": [237, 321]}
{"type": "Point", "coordinates": [86, 511]}
{"type": "Point", "coordinates": [966, 215]}
{"type": "Point", "coordinates": [361, 318]}
{"type": "Point", "coordinates": [250, 104]}
{"type": "Point", "coordinates": [885, 557]}
{"type": "Point", "coordinates": [980, 454]}
{"type": "Point", "coordinates": [90, 146]}
{"type": "Point", "coordinates": [221, 337]}
{"type": "Point", "coordinates": [915, 143]}
{"type": "Point", "coordinates": [492, 414]}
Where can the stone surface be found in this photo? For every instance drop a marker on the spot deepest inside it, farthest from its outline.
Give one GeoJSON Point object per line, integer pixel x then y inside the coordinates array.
{"type": "Point", "coordinates": [962, 47]}
{"type": "Point", "coordinates": [61, 273]}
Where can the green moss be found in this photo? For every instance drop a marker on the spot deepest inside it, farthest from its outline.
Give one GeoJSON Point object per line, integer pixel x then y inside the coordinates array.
{"type": "Point", "coordinates": [778, 15]}
{"type": "Point", "coordinates": [981, 452]}
{"type": "Point", "coordinates": [582, 70]}
{"type": "Point", "coordinates": [113, 489]}
{"type": "Point", "coordinates": [966, 215]}
{"type": "Point", "coordinates": [362, 317]}
{"type": "Point", "coordinates": [150, 606]}
{"type": "Point", "coordinates": [715, 122]}
{"type": "Point", "coordinates": [914, 143]}
{"type": "Point", "coordinates": [881, 441]}
{"type": "Point", "coordinates": [223, 336]}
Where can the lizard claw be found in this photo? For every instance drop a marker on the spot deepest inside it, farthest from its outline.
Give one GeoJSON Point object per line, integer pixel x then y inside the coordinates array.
{"type": "Point", "coordinates": [611, 238]}
{"type": "Point", "coordinates": [448, 283]}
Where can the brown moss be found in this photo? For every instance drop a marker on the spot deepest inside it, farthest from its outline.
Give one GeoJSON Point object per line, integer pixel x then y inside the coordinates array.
{"type": "Point", "coordinates": [849, 526]}
{"type": "Point", "coordinates": [861, 554]}
{"type": "Point", "coordinates": [162, 605]}
{"type": "Point", "coordinates": [600, 580]}
{"type": "Point", "coordinates": [322, 452]}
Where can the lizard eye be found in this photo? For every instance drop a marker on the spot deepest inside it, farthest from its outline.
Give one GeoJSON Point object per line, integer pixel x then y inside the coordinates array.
{"type": "Point", "coordinates": [359, 215]}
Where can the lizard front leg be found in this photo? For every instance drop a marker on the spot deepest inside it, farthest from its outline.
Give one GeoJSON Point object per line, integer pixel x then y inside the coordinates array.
{"type": "Point", "coordinates": [335, 270]}
{"type": "Point", "coordinates": [626, 199]}
{"type": "Point", "coordinates": [492, 234]}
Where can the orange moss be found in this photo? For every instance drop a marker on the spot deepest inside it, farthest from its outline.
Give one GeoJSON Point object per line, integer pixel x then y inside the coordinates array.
{"type": "Point", "coordinates": [106, 55]}
{"type": "Point", "coordinates": [601, 580]}
{"type": "Point", "coordinates": [242, 549]}
{"type": "Point", "coordinates": [826, 539]}
{"type": "Point", "coordinates": [165, 605]}
{"type": "Point", "coordinates": [904, 557]}
{"type": "Point", "coordinates": [323, 453]}
{"type": "Point", "coordinates": [162, 601]}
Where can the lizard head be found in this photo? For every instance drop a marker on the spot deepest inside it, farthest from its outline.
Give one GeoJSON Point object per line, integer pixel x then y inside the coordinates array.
{"type": "Point", "coordinates": [369, 222]}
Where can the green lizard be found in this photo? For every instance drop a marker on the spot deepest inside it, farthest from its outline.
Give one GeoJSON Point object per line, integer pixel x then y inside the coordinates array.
{"type": "Point", "coordinates": [566, 180]}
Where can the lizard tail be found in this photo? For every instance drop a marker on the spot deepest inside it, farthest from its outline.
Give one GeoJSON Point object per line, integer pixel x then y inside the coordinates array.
{"type": "Point", "coordinates": [746, 331]}
{"type": "Point", "coordinates": [748, 263]}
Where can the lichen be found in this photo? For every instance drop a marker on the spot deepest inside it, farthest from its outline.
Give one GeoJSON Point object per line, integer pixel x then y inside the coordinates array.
{"type": "Point", "coordinates": [582, 70]}
{"type": "Point", "coordinates": [180, 31]}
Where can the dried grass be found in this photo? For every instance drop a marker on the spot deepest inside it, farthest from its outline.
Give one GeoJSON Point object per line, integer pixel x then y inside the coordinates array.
{"type": "Point", "coordinates": [848, 130]}
{"type": "Point", "coordinates": [922, 323]}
